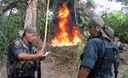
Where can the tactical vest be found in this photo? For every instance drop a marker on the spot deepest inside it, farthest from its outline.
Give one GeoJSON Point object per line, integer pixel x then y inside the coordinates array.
{"type": "Point", "coordinates": [21, 65]}
{"type": "Point", "coordinates": [103, 64]}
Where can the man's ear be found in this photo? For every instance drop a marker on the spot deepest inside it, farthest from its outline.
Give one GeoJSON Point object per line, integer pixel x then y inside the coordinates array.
{"type": "Point", "coordinates": [26, 33]}
{"type": "Point", "coordinates": [93, 27]}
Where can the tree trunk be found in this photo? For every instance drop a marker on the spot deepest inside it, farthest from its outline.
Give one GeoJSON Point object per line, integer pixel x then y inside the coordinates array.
{"type": "Point", "coordinates": [31, 14]}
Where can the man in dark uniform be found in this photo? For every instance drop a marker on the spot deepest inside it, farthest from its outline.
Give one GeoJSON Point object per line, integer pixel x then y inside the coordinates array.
{"type": "Point", "coordinates": [23, 57]}
{"type": "Point", "coordinates": [98, 52]}
{"type": "Point", "coordinates": [119, 46]}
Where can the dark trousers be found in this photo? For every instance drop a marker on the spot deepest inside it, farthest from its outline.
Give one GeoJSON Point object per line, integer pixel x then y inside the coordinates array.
{"type": "Point", "coordinates": [116, 65]}
{"type": "Point", "coordinates": [23, 77]}
{"type": "Point", "coordinates": [12, 76]}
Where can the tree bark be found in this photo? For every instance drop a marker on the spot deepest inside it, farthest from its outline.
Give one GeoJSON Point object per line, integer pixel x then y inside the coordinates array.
{"type": "Point", "coordinates": [30, 19]}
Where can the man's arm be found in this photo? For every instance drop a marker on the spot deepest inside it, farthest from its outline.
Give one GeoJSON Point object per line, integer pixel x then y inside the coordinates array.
{"type": "Point", "coordinates": [29, 56]}
{"type": "Point", "coordinates": [121, 48]}
{"type": "Point", "coordinates": [84, 71]}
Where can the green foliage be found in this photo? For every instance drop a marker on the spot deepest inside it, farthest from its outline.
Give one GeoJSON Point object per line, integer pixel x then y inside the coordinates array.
{"type": "Point", "coordinates": [78, 63]}
{"type": "Point", "coordinates": [50, 4]}
{"type": "Point", "coordinates": [91, 1]}
{"type": "Point", "coordinates": [41, 18]}
{"type": "Point", "coordinates": [125, 2]}
{"type": "Point", "coordinates": [126, 36]}
{"type": "Point", "coordinates": [70, 73]}
{"type": "Point", "coordinates": [54, 49]}
{"type": "Point", "coordinates": [10, 4]}
{"type": "Point", "coordinates": [83, 20]}
{"type": "Point", "coordinates": [9, 28]}
{"type": "Point", "coordinates": [80, 47]}
{"type": "Point", "coordinates": [118, 21]}
{"type": "Point", "coordinates": [82, 23]}
{"type": "Point", "coordinates": [41, 21]}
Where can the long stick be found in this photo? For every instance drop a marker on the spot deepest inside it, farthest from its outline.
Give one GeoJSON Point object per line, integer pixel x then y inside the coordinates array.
{"type": "Point", "coordinates": [42, 49]}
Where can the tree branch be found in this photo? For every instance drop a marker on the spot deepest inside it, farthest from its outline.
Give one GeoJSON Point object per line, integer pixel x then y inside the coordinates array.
{"type": "Point", "coordinates": [42, 49]}
{"type": "Point", "coordinates": [13, 4]}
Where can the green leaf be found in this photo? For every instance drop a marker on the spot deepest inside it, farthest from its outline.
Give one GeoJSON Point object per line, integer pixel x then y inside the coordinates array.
{"type": "Point", "coordinates": [80, 25]}
{"type": "Point", "coordinates": [118, 21]}
{"type": "Point", "coordinates": [80, 12]}
{"type": "Point", "coordinates": [80, 47]}
{"type": "Point", "coordinates": [86, 33]}
{"type": "Point", "coordinates": [70, 73]}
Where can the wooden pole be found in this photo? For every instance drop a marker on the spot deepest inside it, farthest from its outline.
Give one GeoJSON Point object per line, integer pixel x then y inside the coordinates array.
{"type": "Point", "coordinates": [42, 49]}
{"type": "Point", "coordinates": [45, 37]}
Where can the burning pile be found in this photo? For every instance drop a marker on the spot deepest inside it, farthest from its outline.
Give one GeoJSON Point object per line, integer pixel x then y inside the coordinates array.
{"type": "Point", "coordinates": [65, 33]}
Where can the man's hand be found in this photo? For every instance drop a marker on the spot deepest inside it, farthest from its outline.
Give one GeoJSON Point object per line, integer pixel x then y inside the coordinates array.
{"type": "Point", "coordinates": [84, 72]}
{"type": "Point", "coordinates": [43, 58]}
{"type": "Point", "coordinates": [39, 54]}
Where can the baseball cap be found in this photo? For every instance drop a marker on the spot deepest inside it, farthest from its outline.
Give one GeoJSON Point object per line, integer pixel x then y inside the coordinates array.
{"type": "Point", "coordinates": [30, 30]}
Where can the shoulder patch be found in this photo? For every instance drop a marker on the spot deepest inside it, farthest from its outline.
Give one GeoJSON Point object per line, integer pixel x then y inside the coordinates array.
{"type": "Point", "coordinates": [17, 43]}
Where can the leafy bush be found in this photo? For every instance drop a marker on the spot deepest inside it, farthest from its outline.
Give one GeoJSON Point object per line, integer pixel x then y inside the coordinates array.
{"type": "Point", "coordinates": [9, 28]}
{"type": "Point", "coordinates": [118, 21]}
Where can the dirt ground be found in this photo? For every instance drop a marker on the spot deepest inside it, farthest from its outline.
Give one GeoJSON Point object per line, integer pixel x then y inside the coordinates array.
{"type": "Point", "coordinates": [47, 71]}
{"type": "Point", "coordinates": [62, 63]}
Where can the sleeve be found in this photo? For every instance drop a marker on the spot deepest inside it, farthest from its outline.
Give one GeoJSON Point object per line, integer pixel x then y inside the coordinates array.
{"type": "Point", "coordinates": [121, 50]}
{"type": "Point", "coordinates": [17, 47]}
{"type": "Point", "coordinates": [115, 44]}
{"type": "Point", "coordinates": [91, 54]}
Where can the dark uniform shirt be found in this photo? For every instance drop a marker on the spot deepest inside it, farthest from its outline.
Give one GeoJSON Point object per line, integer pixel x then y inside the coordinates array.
{"type": "Point", "coordinates": [116, 61]}
{"type": "Point", "coordinates": [18, 47]}
{"type": "Point", "coordinates": [119, 48]}
{"type": "Point", "coordinates": [91, 50]}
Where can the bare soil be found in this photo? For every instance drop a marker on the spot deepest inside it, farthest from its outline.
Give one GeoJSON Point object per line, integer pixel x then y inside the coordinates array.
{"type": "Point", "coordinates": [62, 63]}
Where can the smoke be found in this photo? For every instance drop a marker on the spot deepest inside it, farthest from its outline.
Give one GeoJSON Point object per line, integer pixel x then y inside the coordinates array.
{"type": "Point", "coordinates": [87, 9]}
{"type": "Point", "coordinates": [70, 4]}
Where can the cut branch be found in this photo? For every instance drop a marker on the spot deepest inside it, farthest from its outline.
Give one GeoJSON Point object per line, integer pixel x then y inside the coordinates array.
{"type": "Point", "coordinates": [46, 27]}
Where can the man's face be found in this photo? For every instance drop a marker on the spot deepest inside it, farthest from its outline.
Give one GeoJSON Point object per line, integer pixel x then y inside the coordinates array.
{"type": "Point", "coordinates": [116, 39]}
{"type": "Point", "coordinates": [92, 31]}
{"type": "Point", "coordinates": [30, 36]}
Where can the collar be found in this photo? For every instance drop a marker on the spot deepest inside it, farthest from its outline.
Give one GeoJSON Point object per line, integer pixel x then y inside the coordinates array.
{"type": "Point", "coordinates": [98, 36]}
{"type": "Point", "coordinates": [30, 43]}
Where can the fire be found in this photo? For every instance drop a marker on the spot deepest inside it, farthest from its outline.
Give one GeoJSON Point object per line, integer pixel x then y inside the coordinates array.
{"type": "Point", "coordinates": [66, 36]}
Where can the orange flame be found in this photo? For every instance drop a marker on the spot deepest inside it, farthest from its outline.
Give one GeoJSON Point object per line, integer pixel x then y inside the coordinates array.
{"type": "Point", "coordinates": [63, 38]}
